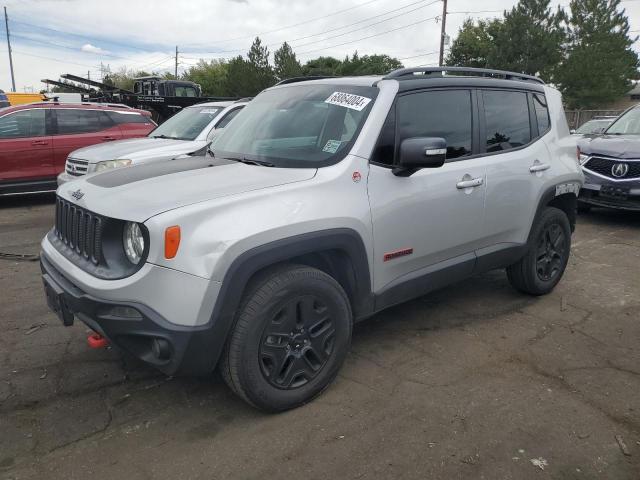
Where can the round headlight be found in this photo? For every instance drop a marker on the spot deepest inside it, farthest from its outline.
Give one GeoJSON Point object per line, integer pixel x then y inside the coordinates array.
{"type": "Point", "coordinates": [133, 241]}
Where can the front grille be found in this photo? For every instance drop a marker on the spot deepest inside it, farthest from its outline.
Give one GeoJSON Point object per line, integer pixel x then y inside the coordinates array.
{"type": "Point", "coordinates": [76, 167]}
{"type": "Point", "coordinates": [79, 229]}
{"type": "Point", "coordinates": [603, 166]}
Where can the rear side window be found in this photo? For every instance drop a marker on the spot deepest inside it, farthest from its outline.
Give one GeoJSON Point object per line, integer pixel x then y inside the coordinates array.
{"type": "Point", "coordinates": [78, 121]}
{"type": "Point", "coordinates": [542, 113]}
{"type": "Point", "coordinates": [507, 123]}
{"type": "Point", "coordinates": [445, 114]}
{"type": "Point", "coordinates": [127, 117]}
{"type": "Point", "coordinates": [23, 124]}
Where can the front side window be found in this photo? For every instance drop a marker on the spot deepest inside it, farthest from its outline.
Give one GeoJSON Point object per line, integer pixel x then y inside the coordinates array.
{"type": "Point", "coordinates": [298, 126]}
{"type": "Point", "coordinates": [72, 121]}
{"type": "Point", "coordinates": [228, 117]}
{"type": "Point", "coordinates": [187, 124]}
{"type": "Point", "coordinates": [23, 124]}
{"type": "Point", "coordinates": [442, 114]}
{"type": "Point", "coordinates": [627, 124]}
{"type": "Point", "coordinates": [185, 92]}
{"type": "Point", "coordinates": [506, 119]}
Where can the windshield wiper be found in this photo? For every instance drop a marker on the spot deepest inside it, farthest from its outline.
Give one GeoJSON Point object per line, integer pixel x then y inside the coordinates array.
{"type": "Point", "coordinates": [261, 163]}
{"type": "Point", "coordinates": [168, 137]}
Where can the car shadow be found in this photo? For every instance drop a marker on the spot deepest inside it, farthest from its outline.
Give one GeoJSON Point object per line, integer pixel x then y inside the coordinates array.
{"type": "Point", "coordinates": [27, 200]}
{"type": "Point", "coordinates": [611, 218]}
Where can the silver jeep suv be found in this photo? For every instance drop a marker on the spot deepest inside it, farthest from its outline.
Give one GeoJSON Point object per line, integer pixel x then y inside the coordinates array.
{"type": "Point", "coordinates": [326, 201]}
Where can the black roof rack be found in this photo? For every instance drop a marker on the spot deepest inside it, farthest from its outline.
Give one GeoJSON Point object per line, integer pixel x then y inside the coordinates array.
{"type": "Point", "coordinates": [401, 73]}
{"type": "Point", "coordinates": [303, 79]}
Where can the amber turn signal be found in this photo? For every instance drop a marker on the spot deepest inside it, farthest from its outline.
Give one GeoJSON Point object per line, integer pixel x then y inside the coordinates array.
{"type": "Point", "coordinates": [171, 241]}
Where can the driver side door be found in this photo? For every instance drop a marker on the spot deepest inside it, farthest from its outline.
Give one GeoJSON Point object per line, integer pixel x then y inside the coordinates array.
{"type": "Point", "coordinates": [426, 226]}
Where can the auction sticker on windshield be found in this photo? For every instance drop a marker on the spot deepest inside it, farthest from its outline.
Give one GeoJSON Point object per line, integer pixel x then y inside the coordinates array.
{"type": "Point", "coordinates": [348, 100]}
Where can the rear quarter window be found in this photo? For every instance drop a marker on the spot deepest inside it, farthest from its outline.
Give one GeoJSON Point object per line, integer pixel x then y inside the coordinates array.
{"type": "Point", "coordinates": [542, 113]}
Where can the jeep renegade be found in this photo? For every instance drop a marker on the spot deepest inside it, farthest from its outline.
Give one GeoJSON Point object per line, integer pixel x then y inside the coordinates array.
{"type": "Point", "coordinates": [326, 201]}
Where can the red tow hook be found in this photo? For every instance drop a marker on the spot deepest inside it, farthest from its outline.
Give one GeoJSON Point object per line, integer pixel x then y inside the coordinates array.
{"type": "Point", "coordinates": [95, 340]}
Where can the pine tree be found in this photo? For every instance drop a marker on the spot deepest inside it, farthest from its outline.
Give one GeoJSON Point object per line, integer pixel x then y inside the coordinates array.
{"type": "Point", "coordinates": [286, 65]}
{"type": "Point", "coordinates": [600, 62]}
{"type": "Point", "coordinates": [530, 39]}
{"type": "Point", "coordinates": [475, 45]}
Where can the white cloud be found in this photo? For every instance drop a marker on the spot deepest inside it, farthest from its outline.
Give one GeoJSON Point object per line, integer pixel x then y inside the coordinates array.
{"type": "Point", "coordinates": [88, 48]}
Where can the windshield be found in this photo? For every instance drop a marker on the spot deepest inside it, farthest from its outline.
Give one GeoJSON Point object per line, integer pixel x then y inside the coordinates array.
{"type": "Point", "coordinates": [627, 124]}
{"type": "Point", "coordinates": [186, 124]}
{"type": "Point", "coordinates": [593, 126]}
{"type": "Point", "coordinates": [298, 126]}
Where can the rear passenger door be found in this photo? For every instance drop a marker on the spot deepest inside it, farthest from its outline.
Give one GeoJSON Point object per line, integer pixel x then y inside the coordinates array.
{"type": "Point", "coordinates": [517, 162]}
{"type": "Point", "coordinates": [77, 128]}
{"type": "Point", "coordinates": [427, 222]}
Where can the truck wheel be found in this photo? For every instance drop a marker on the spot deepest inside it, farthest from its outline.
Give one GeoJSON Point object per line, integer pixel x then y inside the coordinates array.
{"type": "Point", "coordinates": [291, 337]}
{"type": "Point", "coordinates": [540, 270]}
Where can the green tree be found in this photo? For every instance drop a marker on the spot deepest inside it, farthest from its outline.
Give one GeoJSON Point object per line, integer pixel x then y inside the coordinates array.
{"type": "Point", "coordinates": [326, 66]}
{"type": "Point", "coordinates": [530, 39]}
{"type": "Point", "coordinates": [368, 65]}
{"type": "Point", "coordinates": [240, 80]}
{"type": "Point", "coordinates": [475, 45]}
{"type": "Point", "coordinates": [258, 58]}
{"type": "Point", "coordinates": [600, 62]}
{"type": "Point", "coordinates": [211, 75]}
{"type": "Point", "coordinates": [286, 65]}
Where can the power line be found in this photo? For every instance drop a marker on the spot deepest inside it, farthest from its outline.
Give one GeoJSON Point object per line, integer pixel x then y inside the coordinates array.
{"type": "Point", "coordinates": [370, 36]}
{"type": "Point", "coordinates": [288, 26]}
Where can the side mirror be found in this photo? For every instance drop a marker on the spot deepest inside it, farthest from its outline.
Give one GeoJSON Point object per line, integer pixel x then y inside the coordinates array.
{"type": "Point", "coordinates": [420, 152]}
{"type": "Point", "coordinates": [572, 131]}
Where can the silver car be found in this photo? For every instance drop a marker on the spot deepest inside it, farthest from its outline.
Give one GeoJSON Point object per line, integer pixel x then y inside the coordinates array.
{"type": "Point", "coordinates": [188, 131]}
{"type": "Point", "coordinates": [324, 202]}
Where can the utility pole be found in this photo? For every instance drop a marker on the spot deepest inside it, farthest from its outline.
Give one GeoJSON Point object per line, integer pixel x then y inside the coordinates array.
{"type": "Point", "coordinates": [176, 62]}
{"type": "Point", "coordinates": [443, 34]}
{"type": "Point", "coordinates": [88, 74]}
{"type": "Point", "coordinates": [6, 24]}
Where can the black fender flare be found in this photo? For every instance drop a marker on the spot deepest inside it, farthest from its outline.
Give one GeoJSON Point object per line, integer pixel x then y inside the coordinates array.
{"type": "Point", "coordinates": [246, 265]}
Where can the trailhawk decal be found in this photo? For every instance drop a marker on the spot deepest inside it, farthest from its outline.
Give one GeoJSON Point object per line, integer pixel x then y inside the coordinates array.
{"type": "Point", "coordinates": [568, 188]}
{"type": "Point", "coordinates": [348, 100]}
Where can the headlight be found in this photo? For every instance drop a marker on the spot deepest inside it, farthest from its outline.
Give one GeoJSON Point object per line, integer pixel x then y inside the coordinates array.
{"type": "Point", "coordinates": [583, 158]}
{"type": "Point", "coordinates": [110, 164]}
{"type": "Point", "coordinates": [133, 242]}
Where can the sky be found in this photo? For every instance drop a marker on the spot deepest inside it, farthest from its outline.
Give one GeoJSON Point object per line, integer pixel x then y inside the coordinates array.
{"type": "Point", "coordinates": [51, 37]}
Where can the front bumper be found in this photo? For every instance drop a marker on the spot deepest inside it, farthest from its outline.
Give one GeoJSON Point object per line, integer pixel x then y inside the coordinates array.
{"type": "Point", "coordinates": [137, 328]}
{"type": "Point", "coordinates": [591, 193]}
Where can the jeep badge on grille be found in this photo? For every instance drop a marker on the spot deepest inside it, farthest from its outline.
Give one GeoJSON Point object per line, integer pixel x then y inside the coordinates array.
{"type": "Point", "coordinates": [78, 194]}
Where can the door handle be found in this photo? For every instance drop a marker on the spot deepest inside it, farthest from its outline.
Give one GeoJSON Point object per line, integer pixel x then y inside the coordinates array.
{"type": "Point", "coordinates": [474, 182]}
{"type": "Point", "coordinates": [108, 139]}
{"type": "Point", "coordinates": [539, 167]}
{"type": "Point", "coordinates": [39, 142]}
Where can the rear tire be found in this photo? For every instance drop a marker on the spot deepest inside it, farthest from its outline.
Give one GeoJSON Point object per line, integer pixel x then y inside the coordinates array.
{"type": "Point", "coordinates": [542, 267]}
{"type": "Point", "coordinates": [291, 337]}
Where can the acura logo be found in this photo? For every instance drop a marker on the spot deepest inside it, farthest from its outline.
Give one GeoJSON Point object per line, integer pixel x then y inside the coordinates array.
{"type": "Point", "coordinates": [78, 194]}
{"type": "Point", "coordinates": [620, 170]}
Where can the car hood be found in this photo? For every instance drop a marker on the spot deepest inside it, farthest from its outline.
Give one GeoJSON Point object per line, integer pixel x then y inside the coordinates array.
{"type": "Point", "coordinates": [617, 146]}
{"type": "Point", "coordinates": [139, 192]}
{"type": "Point", "coordinates": [137, 149]}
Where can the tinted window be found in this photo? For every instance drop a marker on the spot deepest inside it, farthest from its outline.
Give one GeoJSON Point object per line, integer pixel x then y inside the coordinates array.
{"type": "Point", "coordinates": [225, 121]}
{"type": "Point", "coordinates": [507, 120]}
{"type": "Point", "coordinates": [77, 121]}
{"type": "Point", "coordinates": [185, 92]}
{"type": "Point", "coordinates": [25, 123]}
{"type": "Point", "coordinates": [542, 113]}
{"type": "Point", "coordinates": [445, 114]}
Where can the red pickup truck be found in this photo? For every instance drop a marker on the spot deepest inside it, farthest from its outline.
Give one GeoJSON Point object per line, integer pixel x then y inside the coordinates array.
{"type": "Point", "coordinates": [36, 138]}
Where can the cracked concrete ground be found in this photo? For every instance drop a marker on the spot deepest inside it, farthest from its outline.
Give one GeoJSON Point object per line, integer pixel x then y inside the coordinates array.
{"type": "Point", "coordinates": [474, 381]}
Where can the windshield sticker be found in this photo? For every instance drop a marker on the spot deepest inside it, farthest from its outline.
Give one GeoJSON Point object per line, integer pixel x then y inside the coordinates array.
{"type": "Point", "coordinates": [210, 111]}
{"type": "Point", "coordinates": [354, 102]}
{"type": "Point", "coordinates": [332, 146]}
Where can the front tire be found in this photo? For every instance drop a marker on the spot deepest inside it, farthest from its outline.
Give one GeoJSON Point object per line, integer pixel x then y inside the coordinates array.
{"type": "Point", "coordinates": [290, 339]}
{"type": "Point", "coordinates": [542, 267]}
